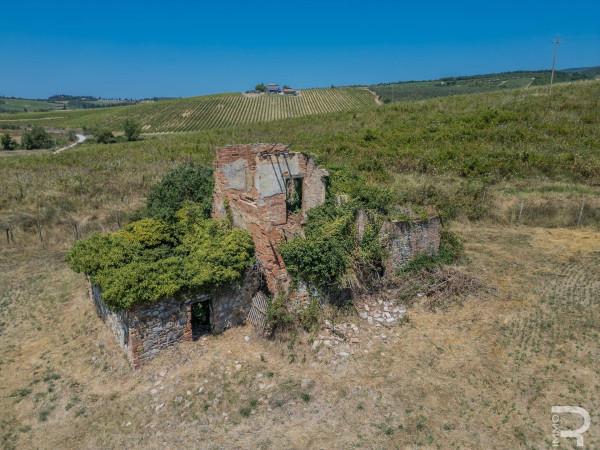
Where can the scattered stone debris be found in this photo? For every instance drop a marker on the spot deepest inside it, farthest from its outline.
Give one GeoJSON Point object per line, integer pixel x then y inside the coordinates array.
{"type": "Point", "coordinates": [380, 312]}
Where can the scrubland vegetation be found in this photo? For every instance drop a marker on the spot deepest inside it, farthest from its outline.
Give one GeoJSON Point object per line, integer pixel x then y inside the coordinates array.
{"type": "Point", "coordinates": [420, 90]}
{"type": "Point", "coordinates": [512, 157]}
{"type": "Point", "coordinates": [514, 174]}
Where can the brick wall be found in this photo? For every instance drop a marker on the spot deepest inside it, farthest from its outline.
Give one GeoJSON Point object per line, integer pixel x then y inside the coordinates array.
{"type": "Point", "coordinates": [250, 181]}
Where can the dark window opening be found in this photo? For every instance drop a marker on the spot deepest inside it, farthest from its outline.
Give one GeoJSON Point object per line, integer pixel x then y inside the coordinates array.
{"type": "Point", "coordinates": [200, 319]}
{"type": "Point", "coordinates": [293, 200]}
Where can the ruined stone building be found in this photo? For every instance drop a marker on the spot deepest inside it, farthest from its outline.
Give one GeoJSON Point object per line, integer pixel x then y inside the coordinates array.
{"type": "Point", "coordinates": [267, 190]}
{"type": "Point", "coordinates": [143, 331]}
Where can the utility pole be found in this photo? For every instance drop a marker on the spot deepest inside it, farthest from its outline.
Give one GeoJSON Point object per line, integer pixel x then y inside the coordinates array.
{"type": "Point", "coordinates": [555, 50]}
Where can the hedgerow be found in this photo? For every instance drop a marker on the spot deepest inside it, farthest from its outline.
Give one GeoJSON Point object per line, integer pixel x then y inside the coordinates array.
{"type": "Point", "coordinates": [150, 259]}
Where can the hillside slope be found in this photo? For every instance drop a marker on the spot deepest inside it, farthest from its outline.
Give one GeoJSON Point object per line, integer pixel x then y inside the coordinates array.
{"type": "Point", "coordinates": [473, 84]}
{"type": "Point", "coordinates": [206, 112]}
{"type": "Point", "coordinates": [443, 152]}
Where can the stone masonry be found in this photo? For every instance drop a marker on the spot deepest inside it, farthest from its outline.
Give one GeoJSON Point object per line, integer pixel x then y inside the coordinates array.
{"type": "Point", "coordinates": [405, 240]}
{"type": "Point", "coordinates": [143, 331]}
{"type": "Point", "coordinates": [252, 185]}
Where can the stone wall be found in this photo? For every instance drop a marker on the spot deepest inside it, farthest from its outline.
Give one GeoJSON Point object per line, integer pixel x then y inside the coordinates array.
{"type": "Point", "coordinates": [231, 304]}
{"type": "Point", "coordinates": [406, 239]}
{"type": "Point", "coordinates": [117, 321]}
{"type": "Point", "coordinates": [159, 325]}
{"type": "Point", "coordinates": [250, 180]}
{"type": "Point", "coordinates": [145, 330]}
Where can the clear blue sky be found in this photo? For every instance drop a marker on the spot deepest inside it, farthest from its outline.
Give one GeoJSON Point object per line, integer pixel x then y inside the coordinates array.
{"type": "Point", "coordinates": [148, 48]}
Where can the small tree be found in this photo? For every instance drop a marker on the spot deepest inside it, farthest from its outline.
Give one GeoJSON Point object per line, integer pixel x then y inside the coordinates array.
{"type": "Point", "coordinates": [185, 183]}
{"type": "Point", "coordinates": [104, 136]}
{"type": "Point", "coordinates": [37, 137]}
{"type": "Point", "coordinates": [260, 87]}
{"type": "Point", "coordinates": [72, 136]}
{"type": "Point", "coordinates": [132, 129]}
{"type": "Point", "coordinates": [7, 142]}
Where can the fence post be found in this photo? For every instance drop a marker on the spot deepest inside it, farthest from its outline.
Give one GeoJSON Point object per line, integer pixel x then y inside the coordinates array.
{"type": "Point", "coordinates": [521, 211]}
{"type": "Point", "coordinates": [580, 212]}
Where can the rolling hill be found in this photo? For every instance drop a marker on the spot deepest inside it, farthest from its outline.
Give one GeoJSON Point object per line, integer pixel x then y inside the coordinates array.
{"type": "Point", "coordinates": [420, 90]}
{"type": "Point", "coordinates": [205, 112]}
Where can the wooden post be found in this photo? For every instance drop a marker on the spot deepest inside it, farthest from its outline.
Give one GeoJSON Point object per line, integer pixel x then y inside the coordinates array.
{"type": "Point", "coordinates": [520, 211]}
{"type": "Point", "coordinates": [580, 212]}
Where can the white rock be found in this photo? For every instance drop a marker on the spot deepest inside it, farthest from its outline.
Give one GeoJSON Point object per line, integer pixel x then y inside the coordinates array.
{"type": "Point", "coordinates": [247, 338]}
{"type": "Point", "coordinates": [344, 354]}
{"type": "Point", "coordinates": [306, 383]}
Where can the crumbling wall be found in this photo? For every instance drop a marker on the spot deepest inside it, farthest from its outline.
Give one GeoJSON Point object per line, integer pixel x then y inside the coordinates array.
{"type": "Point", "coordinates": [117, 321]}
{"type": "Point", "coordinates": [144, 331]}
{"type": "Point", "coordinates": [250, 187]}
{"type": "Point", "coordinates": [159, 325]}
{"type": "Point", "coordinates": [404, 240]}
{"type": "Point", "coordinates": [231, 304]}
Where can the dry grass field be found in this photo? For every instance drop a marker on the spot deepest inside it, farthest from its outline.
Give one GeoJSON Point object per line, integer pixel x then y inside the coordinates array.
{"type": "Point", "coordinates": [481, 371]}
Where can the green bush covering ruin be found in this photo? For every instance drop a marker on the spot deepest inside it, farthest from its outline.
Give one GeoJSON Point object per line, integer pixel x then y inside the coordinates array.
{"type": "Point", "coordinates": [156, 257]}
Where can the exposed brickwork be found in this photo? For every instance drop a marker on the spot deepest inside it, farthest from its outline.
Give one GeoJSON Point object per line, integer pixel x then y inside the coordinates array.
{"type": "Point", "coordinates": [251, 183]}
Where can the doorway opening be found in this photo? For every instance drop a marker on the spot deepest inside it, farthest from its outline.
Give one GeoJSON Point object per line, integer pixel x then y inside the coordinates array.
{"type": "Point", "coordinates": [293, 200]}
{"type": "Point", "coordinates": [201, 319]}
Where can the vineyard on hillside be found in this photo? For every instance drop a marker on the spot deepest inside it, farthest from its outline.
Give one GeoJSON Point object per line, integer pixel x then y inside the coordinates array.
{"type": "Point", "coordinates": [198, 113]}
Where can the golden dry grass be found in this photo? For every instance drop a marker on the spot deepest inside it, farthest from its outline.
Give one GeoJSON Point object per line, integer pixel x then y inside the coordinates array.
{"type": "Point", "coordinates": [481, 375]}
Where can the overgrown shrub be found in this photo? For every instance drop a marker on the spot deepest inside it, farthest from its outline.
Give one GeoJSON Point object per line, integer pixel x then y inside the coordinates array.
{"type": "Point", "coordinates": [186, 183]}
{"type": "Point", "coordinates": [321, 257]}
{"type": "Point", "coordinates": [150, 259]}
{"type": "Point", "coordinates": [7, 142]}
{"type": "Point", "coordinates": [216, 253]}
{"type": "Point", "coordinates": [309, 315]}
{"type": "Point", "coordinates": [36, 138]}
{"type": "Point", "coordinates": [330, 256]}
{"type": "Point", "coordinates": [104, 136]}
{"type": "Point", "coordinates": [278, 316]}
{"type": "Point", "coordinates": [132, 129]}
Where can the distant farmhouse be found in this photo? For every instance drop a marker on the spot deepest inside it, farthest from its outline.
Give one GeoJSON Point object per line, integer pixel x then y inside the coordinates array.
{"type": "Point", "coordinates": [272, 89]}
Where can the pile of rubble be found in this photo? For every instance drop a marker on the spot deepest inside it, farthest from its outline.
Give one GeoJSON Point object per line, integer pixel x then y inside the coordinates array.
{"type": "Point", "coordinates": [381, 312]}
{"type": "Point", "coordinates": [340, 335]}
